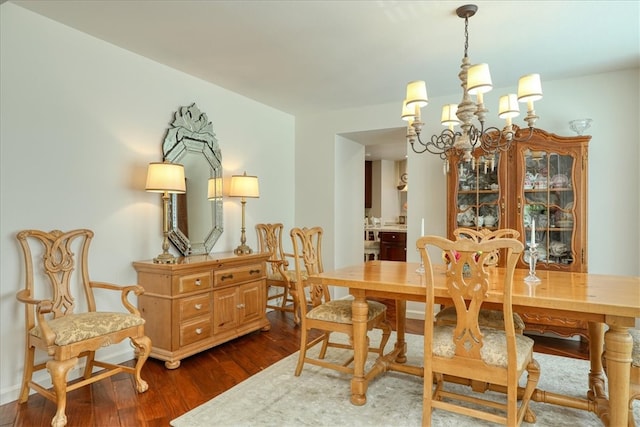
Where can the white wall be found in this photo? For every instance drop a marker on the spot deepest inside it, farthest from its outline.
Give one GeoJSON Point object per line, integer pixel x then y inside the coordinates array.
{"type": "Point", "coordinates": [81, 119]}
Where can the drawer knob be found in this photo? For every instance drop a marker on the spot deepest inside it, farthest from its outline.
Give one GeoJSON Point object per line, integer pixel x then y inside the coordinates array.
{"type": "Point", "coordinates": [254, 271]}
{"type": "Point", "coordinates": [198, 331]}
{"type": "Point", "coordinates": [240, 306]}
{"type": "Point", "coordinates": [198, 282]}
{"type": "Point", "coordinates": [226, 276]}
{"type": "Point", "coordinates": [198, 306]}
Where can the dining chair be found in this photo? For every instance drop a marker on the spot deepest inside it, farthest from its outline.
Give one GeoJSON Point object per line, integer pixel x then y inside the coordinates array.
{"type": "Point", "coordinates": [468, 350]}
{"type": "Point", "coordinates": [270, 240]}
{"type": "Point", "coordinates": [371, 245]}
{"type": "Point", "coordinates": [325, 314]}
{"type": "Point", "coordinates": [56, 325]}
{"type": "Point", "coordinates": [490, 318]}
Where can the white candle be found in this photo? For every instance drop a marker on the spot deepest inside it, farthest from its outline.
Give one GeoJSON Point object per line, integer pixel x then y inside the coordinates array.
{"type": "Point", "coordinates": [533, 232]}
{"type": "Point", "coordinates": [422, 228]}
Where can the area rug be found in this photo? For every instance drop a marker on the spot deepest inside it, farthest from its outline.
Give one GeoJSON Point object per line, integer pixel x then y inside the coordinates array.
{"type": "Point", "coordinates": [320, 397]}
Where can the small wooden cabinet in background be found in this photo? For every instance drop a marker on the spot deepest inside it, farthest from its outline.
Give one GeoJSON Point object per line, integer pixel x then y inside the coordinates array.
{"type": "Point", "coordinates": [200, 302]}
{"type": "Point", "coordinates": [393, 245]}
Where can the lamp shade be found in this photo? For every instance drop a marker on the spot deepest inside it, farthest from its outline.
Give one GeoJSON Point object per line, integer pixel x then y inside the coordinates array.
{"type": "Point", "coordinates": [244, 186]}
{"type": "Point", "coordinates": [408, 113]}
{"type": "Point", "coordinates": [479, 79]}
{"type": "Point", "coordinates": [508, 106]}
{"type": "Point", "coordinates": [165, 177]}
{"type": "Point", "coordinates": [529, 88]}
{"type": "Point", "coordinates": [417, 93]}
{"type": "Point", "coordinates": [214, 188]}
{"type": "Point", "coordinates": [449, 115]}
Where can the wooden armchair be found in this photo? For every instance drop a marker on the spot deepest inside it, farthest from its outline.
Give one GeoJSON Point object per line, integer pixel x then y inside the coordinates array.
{"type": "Point", "coordinates": [270, 240]}
{"type": "Point", "coordinates": [490, 318]}
{"type": "Point", "coordinates": [469, 350]}
{"type": "Point", "coordinates": [325, 314]}
{"type": "Point", "coordinates": [55, 325]}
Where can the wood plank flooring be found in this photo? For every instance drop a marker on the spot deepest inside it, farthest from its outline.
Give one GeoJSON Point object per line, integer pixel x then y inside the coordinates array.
{"type": "Point", "coordinates": [114, 402]}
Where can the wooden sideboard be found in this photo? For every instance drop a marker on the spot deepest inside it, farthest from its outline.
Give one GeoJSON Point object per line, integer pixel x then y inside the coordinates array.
{"type": "Point", "coordinates": [201, 301]}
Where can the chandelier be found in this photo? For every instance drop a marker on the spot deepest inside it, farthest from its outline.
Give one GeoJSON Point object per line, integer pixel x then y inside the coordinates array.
{"type": "Point", "coordinates": [476, 80]}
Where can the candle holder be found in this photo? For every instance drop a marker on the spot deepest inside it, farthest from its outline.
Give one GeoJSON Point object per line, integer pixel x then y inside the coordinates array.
{"type": "Point", "coordinates": [533, 259]}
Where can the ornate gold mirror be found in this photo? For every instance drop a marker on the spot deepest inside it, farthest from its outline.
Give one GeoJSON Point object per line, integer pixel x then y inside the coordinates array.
{"type": "Point", "coordinates": [196, 216]}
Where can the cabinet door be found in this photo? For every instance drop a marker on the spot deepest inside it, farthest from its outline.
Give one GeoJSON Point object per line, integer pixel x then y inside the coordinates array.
{"type": "Point", "coordinates": [393, 246]}
{"type": "Point", "coordinates": [476, 193]}
{"type": "Point", "coordinates": [252, 297]}
{"type": "Point", "coordinates": [551, 197]}
{"type": "Point", "coordinates": [225, 309]}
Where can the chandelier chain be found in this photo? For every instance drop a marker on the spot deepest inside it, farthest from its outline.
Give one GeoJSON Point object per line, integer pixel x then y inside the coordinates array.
{"type": "Point", "coordinates": [466, 36]}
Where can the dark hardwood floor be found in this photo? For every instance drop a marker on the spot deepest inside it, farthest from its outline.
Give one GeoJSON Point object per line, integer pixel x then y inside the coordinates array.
{"type": "Point", "coordinates": [114, 401]}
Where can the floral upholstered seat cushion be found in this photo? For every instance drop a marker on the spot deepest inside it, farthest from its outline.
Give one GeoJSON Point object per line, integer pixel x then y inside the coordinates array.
{"type": "Point", "coordinates": [290, 273]}
{"type": "Point", "coordinates": [339, 311]}
{"type": "Point", "coordinates": [487, 318]}
{"type": "Point", "coordinates": [73, 328]}
{"type": "Point", "coordinates": [494, 349]}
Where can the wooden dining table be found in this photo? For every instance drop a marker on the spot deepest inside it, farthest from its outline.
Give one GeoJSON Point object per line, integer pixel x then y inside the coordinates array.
{"type": "Point", "coordinates": [599, 299]}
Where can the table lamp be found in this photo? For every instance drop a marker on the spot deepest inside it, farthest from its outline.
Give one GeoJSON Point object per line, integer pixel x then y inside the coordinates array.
{"type": "Point", "coordinates": [243, 186]}
{"type": "Point", "coordinates": [165, 178]}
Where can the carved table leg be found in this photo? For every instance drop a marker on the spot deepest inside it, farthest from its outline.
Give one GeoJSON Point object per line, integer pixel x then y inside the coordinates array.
{"type": "Point", "coordinates": [360, 348]}
{"type": "Point", "coordinates": [618, 358]}
{"type": "Point", "coordinates": [401, 321]}
{"type": "Point", "coordinates": [596, 376]}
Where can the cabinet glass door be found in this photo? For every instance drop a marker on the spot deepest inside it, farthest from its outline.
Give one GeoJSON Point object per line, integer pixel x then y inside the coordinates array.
{"type": "Point", "coordinates": [549, 205]}
{"type": "Point", "coordinates": [478, 193]}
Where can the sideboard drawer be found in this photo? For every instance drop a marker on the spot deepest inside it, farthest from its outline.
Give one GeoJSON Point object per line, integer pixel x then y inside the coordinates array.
{"type": "Point", "coordinates": [238, 275]}
{"type": "Point", "coordinates": [194, 282]}
{"type": "Point", "coordinates": [191, 332]}
{"type": "Point", "coordinates": [195, 306]}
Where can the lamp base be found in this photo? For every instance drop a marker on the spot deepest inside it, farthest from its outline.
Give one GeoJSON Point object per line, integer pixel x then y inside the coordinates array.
{"type": "Point", "coordinates": [243, 250]}
{"type": "Point", "coordinates": [165, 258]}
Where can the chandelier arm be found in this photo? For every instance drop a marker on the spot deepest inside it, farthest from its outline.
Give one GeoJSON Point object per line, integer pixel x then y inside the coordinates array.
{"type": "Point", "coordinates": [439, 144]}
{"type": "Point", "coordinates": [494, 139]}
{"type": "Point", "coordinates": [519, 135]}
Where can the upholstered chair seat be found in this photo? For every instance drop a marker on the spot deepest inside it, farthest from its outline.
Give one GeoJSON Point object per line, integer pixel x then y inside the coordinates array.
{"type": "Point", "coordinates": [74, 328]}
{"type": "Point", "coordinates": [339, 311]}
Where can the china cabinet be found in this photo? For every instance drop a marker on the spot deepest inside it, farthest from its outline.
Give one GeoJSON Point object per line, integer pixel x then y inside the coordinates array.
{"type": "Point", "coordinates": [200, 302]}
{"type": "Point", "coordinates": [539, 184]}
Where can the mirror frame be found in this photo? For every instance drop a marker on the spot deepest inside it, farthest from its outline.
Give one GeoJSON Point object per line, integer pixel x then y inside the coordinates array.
{"type": "Point", "coordinates": [191, 133]}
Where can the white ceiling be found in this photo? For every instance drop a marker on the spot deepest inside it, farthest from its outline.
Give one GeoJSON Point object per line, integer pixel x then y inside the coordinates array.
{"type": "Point", "coordinates": [306, 56]}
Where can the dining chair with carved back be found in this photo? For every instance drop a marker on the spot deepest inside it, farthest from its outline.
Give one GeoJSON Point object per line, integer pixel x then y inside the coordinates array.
{"type": "Point", "coordinates": [280, 273]}
{"type": "Point", "coordinates": [496, 356]}
{"type": "Point", "coordinates": [57, 326]}
{"type": "Point", "coordinates": [325, 314]}
{"type": "Point", "coordinates": [491, 318]}
{"type": "Point", "coordinates": [270, 240]}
